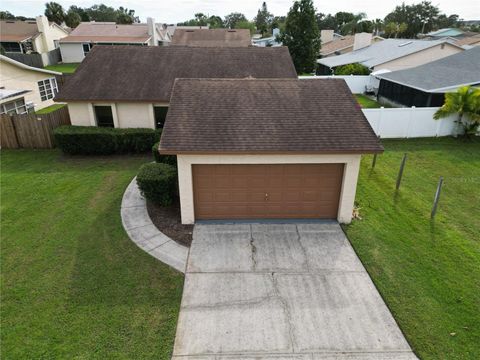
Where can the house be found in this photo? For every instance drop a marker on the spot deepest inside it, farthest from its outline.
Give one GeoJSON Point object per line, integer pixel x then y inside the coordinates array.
{"type": "Point", "coordinates": [469, 41]}
{"type": "Point", "coordinates": [266, 148]}
{"type": "Point", "coordinates": [446, 32]}
{"type": "Point", "coordinates": [37, 87]}
{"type": "Point", "coordinates": [425, 85]}
{"type": "Point", "coordinates": [391, 54]}
{"type": "Point", "coordinates": [212, 37]}
{"type": "Point", "coordinates": [268, 41]}
{"type": "Point", "coordinates": [136, 88]}
{"type": "Point", "coordinates": [30, 36]}
{"type": "Point", "coordinates": [78, 44]}
{"type": "Point", "coordinates": [22, 38]}
{"type": "Point", "coordinates": [334, 44]}
{"type": "Point", "coordinates": [171, 28]}
{"type": "Point", "coordinates": [13, 102]}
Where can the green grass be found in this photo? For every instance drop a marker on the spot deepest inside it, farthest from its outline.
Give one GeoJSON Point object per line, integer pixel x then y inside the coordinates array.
{"type": "Point", "coordinates": [63, 68]}
{"type": "Point", "coordinates": [49, 109]}
{"type": "Point", "coordinates": [427, 271]}
{"type": "Point", "coordinates": [73, 284]}
{"type": "Point", "coordinates": [366, 102]}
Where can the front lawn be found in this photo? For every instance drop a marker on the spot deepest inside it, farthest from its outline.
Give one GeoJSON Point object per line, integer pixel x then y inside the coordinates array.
{"type": "Point", "coordinates": [367, 102]}
{"type": "Point", "coordinates": [427, 271]}
{"type": "Point", "coordinates": [49, 109]}
{"type": "Point", "coordinates": [63, 68]}
{"type": "Point", "coordinates": [73, 284]}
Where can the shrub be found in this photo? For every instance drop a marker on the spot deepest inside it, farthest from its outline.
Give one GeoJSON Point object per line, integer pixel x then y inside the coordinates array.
{"type": "Point", "coordinates": [165, 159]}
{"type": "Point", "coordinates": [93, 140]}
{"type": "Point", "coordinates": [158, 183]}
{"type": "Point", "coordinates": [352, 69]}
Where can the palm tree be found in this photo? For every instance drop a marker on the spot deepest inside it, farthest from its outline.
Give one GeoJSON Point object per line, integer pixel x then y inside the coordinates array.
{"type": "Point", "coordinates": [354, 25]}
{"type": "Point", "coordinates": [465, 102]}
{"type": "Point", "coordinates": [54, 12]}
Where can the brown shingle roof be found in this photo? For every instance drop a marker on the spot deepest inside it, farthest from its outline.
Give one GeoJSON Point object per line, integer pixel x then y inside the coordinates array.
{"type": "Point", "coordinates": [265, 116]}
{"type": "Point", "coordinates": [337, 45]}
{"type": "Point", "coordinates": [134, 73]}
{"type": "Point", "coordinates": [16, 31]}
{"type": "Point", "coordinates": [212, 37]}
{"type": "Point", "coordinates": [108, 32]}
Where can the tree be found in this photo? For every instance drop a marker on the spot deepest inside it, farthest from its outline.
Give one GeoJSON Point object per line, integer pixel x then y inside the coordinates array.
{"type": "Point", "coordinates": [245, 24]}
{"type": "Point", "coordinates": [393, 29]}
{"type": "Point", "coordinates": [6, 15]}
{"type": "Point", "coordinates": [354, 25]}
{"type": "Point", "coordinates": [352, 69]}
{"type": "Point", "coordinates": [232, 19]}
{"type": "Point", "coordinates": [278, 22]}
{"type": "Point", "coordinates": [54, 12]}
{"type": "Point", "coordinates": [377, 26]}
{"type": "Point", "coordinates": [301, 36]}
{"type": "Point", "coordinates": [80, 11]}
{"type": "Point", "coordinates": [72, 19]}
{"type": "Point", "coordinates": [126, 16]}
{"type": "Point", "coordinates": [102, 13]}
{"type": "Point", "coordinates": [465, 102]}
{"type": "Point", "coordinates": [263, 19]}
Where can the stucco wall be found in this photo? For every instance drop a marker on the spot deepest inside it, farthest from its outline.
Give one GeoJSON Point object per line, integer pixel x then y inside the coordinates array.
{"type": "Point", "coordinates": [347, 195]}
{"type": "Point", "coordinates": [71, 52]}
{"type": "Point", "coordinates": [419, 58]}
{"type": "Point", "coordinates": [15, 78]}
{"type": "Point", "coordinates": [126, 114]}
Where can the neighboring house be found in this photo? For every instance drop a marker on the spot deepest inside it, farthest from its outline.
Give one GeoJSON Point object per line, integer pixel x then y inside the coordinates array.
{"type": "Point", "coordinates": [78, 44]}
{"type": "Point", "coordinates": [212, 37]}
{"type": "Point", "coordinates": [337, 45]}
{"type": "Point", "coordinates": [13, 102]}
{"type": "Point", "coordinates": [268, 41]}
{"type": "Point", "coordinates": [136, 89]}
{"type": "Point", "coordinates": [443, 33]}
{"type": "Point", "coordinates": [26, 37]}
{"type": "Point", "coordinates": [425, 85]}
{"type": "Point", "coordinates": [39, 86]}
{"type": "Point", "coordinates": [266, 148]}
{"type": "Point", "coordinates": [171, 28]}
{"type": "Point", "coordinates": [469, 41]}
{"type": "Point", "coordinates": [391, 54]}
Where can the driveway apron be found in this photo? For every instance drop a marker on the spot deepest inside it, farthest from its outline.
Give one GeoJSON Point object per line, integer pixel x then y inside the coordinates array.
{"type": "Point", "coordinates": [281, 291]}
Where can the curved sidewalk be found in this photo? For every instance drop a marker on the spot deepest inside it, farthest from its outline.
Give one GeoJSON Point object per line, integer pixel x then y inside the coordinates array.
{"type": "Point", "coordinates": [145, 234]}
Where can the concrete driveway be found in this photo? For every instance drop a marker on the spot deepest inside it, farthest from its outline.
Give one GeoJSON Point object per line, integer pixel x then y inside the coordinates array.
{"type": "Point", "coordinates": [281, 291]}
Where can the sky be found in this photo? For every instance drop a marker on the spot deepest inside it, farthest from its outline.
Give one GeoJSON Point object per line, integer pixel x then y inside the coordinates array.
{"type": "Point", "coordinates": [173, 11]}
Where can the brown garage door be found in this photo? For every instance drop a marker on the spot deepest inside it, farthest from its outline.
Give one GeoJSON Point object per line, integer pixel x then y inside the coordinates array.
{"type": "Point", "coordinates": [267, 191]}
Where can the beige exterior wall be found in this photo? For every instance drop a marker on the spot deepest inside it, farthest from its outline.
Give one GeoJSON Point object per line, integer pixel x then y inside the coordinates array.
{"type": "Point", "coordinates": [72, 52]}
{"type": "Point", "coordinates": [347, 195]}
{"type": "Point", "coordinates": [420, 58]}
{"type": "Point", "coordinates": [16, 78]}
{"type": "Point", "coordinates": [125, 114]}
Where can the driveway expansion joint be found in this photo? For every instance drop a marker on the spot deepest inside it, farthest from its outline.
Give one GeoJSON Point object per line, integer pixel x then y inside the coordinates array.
{"type": "Point", "coordinates": [141, 230]}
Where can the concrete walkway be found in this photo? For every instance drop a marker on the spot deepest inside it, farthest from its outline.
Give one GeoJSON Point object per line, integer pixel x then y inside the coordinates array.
{"type": "Point", "coordinates": [281, 291]}
{"type": "Point", "coordinates": [145, 234]}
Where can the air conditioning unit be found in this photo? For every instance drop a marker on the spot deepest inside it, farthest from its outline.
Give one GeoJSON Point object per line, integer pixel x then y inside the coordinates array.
{"type": "Point", "coordinates": [30, 106]}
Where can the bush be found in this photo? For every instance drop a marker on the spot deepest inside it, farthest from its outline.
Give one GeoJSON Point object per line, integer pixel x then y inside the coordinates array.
{"type": "Point", "coordinates": [158, 183]}
{"type": "Point", "coordinates": [93, 140]}
{"type": "Point", "coordinates": [165, 159]}
{"type": "Point", "coordinates": [352, 69]}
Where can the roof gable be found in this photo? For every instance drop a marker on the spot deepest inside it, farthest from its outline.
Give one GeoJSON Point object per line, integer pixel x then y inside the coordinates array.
{"type": "Point", "coordinates": [211, 37]}
{"type": "Point", "coordinates": [133, 73]}
{"type": "Point", "coordinates": [265, 116]}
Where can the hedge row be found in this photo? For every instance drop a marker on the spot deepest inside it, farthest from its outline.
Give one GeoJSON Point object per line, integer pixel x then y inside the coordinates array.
{"type": "Point", "coordinates": [92, 140]}
{"type": "Point", "coordinates": [158, 182]}
{"type": "Point", "coordinates": [165, 159]}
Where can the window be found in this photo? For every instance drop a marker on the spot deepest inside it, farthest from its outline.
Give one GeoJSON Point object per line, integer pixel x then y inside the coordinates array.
{"type": "Point", "coordinates": [12, 47]}
{"type": "Point", "coordinates": [48, 88]}
{"type": "Point", "coordinates": [160, 113]}
{"type": "Point", "coordinates": [104, 116]}
{"type": "Point", "coordinates": [86, 48]}
{"type": "Point", "coordinates": [14, 107]}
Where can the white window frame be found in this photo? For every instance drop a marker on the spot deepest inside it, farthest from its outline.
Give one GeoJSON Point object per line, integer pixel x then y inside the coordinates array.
{"type": "Point", "coordinates": [48, 88]}
{"type": "Point", "coordinates": [20, 107]}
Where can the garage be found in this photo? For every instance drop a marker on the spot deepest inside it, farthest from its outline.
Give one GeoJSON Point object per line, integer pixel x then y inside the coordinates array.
{"type": "Point", "coordinates": [253, 149]}
{"type": "Point", "coordinates": [271, 191]}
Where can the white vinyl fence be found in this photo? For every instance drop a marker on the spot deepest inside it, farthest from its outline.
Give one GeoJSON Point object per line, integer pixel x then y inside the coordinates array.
{"type": "Point", "coordinates": [409, 122]}
{"type": "Point", "coordinates": [356, 83]}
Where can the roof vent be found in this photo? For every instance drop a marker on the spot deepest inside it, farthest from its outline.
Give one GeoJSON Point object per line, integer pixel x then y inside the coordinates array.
{"type": "Point", "coordinates": [406, 43]}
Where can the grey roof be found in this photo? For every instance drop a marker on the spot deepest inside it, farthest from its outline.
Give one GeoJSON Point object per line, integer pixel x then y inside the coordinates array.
{"type": "Point", "coordinates": [381, 52]}
{"type": "Point", "coordinates": [6, 94]}
{"type": "Point", "coordinates": [449, 72]}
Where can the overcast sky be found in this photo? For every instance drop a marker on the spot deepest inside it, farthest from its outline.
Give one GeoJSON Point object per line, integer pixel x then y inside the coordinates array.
{"type": "Point", "coordinates": [172, 11]}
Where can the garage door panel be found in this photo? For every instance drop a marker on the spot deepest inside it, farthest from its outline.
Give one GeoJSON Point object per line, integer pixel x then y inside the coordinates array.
{"type": "Point", "coordinates": [294, 191]}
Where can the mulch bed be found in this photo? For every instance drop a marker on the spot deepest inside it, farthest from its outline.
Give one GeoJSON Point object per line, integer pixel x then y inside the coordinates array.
{"type": "Point", "coordinates": [167, 220]}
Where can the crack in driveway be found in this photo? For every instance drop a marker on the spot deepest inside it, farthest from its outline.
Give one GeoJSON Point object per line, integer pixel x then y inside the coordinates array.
{"type": "Point", "coordinates": [286, 311]}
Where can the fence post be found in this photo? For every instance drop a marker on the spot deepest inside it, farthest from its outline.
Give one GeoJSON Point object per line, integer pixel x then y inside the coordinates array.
{"type": "Point", "coordinates": [437, 197]}
{"type": "Point", "coordinates": [374, 162]}
{"type": "Point", "coordinates": [400, 172]}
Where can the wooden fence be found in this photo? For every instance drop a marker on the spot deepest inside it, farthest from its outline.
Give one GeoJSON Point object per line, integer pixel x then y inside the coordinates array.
{"type": "Point", "coordinates": [31, 130]}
